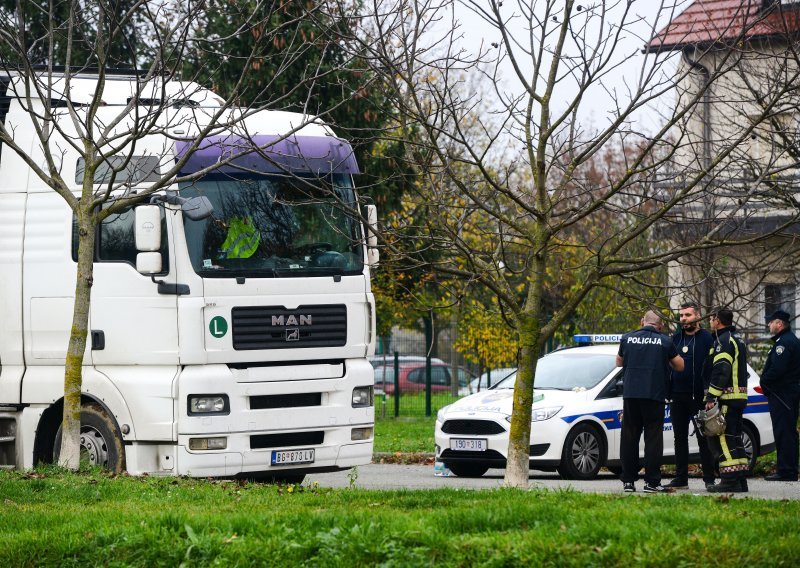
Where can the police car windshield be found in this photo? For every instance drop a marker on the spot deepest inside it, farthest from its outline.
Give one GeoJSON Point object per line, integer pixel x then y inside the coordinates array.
{"type": "Point", "coordinates": [567, 370]}
{"type": "Point", "coordinates": [274, 226]}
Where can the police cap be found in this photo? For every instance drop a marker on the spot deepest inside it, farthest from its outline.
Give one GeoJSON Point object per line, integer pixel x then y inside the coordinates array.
{"type": "Point", "coordinates": [779, 315]}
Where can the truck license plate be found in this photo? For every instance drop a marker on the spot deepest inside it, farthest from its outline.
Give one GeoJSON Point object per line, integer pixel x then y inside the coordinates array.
{"type": "Point", "coordinates": [468, 445]}
{"type": "Point", "coordinates": [289, 457]}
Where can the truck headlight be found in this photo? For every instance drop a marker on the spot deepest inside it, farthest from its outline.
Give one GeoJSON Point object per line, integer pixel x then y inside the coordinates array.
{"type": "Point", "coordinates": [204, 404]}
{"type": "Point", "coordinates": [362, 397]}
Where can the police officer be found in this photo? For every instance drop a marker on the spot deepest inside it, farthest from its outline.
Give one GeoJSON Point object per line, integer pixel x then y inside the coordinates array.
{"type": "Point", "coordinates": [781, 383]}
{"type": "Point", "coordinates": [693, 344]}
{"type": "Point", "coordinates": [646, 355]}
{"type": "Point", "coordinates": [728, 388]}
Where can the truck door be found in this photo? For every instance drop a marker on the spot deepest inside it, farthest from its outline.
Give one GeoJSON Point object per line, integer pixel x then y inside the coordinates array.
{"type": "Point", "coordinates": [131, 322]}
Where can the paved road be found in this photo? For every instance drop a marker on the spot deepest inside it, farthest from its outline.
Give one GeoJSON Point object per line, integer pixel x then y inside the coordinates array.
{"type": "Point", "coordinates": [394, 476]}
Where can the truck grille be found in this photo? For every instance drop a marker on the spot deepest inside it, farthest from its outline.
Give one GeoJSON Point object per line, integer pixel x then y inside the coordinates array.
{"type": "Point", "coordinates": [286, 440]}
{"type": "Point", "coordinates": [275, 327]}
{"type": "Point", "coordinates": [285, 400]}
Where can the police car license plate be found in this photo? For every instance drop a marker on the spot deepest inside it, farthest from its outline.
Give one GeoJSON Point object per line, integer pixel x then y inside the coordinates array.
{"type": "Point", "coordinates": [288, 457]}
{"type": "Point", "coordinates": [468, 445]}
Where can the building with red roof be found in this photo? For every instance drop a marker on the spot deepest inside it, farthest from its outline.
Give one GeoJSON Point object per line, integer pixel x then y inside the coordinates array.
{"type": "Point", "coordinates": [739, 76]}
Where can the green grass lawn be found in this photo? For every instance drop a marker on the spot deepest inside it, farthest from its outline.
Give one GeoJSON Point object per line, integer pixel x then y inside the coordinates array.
{"type": "Point", "coordinates": [404, 434]}
{"type": "Point", "coordinates": [50, 518]}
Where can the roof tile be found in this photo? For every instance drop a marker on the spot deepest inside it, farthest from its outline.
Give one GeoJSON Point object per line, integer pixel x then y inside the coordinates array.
{"type": "Point", "coordinates": [712, 21]}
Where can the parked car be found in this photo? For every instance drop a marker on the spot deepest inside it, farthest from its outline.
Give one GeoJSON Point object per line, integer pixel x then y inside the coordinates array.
{"type": "Point", "coordinates": [577, 405]}
{"type": "Point", "coordinates": [489, 379]}
{"type": "Point", "coordinates": [412, 377]}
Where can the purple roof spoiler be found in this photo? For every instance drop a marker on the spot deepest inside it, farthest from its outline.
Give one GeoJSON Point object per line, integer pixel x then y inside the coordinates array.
{"type": "Point", "coordinates": [271, 154]}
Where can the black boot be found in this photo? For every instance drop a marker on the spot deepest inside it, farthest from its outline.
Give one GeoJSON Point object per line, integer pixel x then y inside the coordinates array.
{"type": "Point", "coordinates": [727, 486]}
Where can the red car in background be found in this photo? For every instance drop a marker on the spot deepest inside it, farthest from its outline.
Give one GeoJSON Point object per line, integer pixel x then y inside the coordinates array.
{"type": "Point", "coordinates": [412, 377]}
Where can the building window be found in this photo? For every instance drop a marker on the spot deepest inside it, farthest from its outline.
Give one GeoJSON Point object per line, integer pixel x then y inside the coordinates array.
{"type": "Point", "coordinates": [779, 297]}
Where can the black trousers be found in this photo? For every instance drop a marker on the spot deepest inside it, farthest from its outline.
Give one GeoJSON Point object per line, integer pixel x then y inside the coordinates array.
{"type": "Point", "coordinates": [682, 409]}
{"type": "Point", "coordinates": [728, 447]}
{"type": "Point", "coordinates": [642, 415]}
{"type": "Point", "coordinates": [783, 410]}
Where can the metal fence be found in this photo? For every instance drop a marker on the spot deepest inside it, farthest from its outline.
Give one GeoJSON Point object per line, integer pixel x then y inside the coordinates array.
{"type": "Point", "coordinates": [413, 380]}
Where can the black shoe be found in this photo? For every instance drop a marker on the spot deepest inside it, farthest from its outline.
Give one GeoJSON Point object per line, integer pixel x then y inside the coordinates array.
{"type": "Point", "coordinates": [727, 487]}
{"type": "Point", "coordinates": [779, 477]}
{"type": "Point", "coordinates": [678, 484]}
{"type": "Point", "coordinates": [709, 484]}
{"type": "Point", "coordinates": [743, 485]}
{"type": "Point", "coordinates": [629, 487]}
{"type": "Point", "coordinates": [656, 489]}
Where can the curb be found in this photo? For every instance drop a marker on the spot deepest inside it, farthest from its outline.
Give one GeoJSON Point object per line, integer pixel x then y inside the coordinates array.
{"type": "Point", "coordinates": [423, 458]}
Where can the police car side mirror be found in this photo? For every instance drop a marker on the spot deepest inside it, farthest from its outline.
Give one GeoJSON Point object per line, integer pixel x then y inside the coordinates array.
{"type": "Point", "coordinates": [618, 387]}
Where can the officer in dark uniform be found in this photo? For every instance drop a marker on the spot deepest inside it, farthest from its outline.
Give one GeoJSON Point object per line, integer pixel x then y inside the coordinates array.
{"type": "Point", "coordinates": [646, 355]}
{"type": "Point", "coordinates": [728, 388]}
{"type": "Point", "coordinates": [781, 383]}
{"type": "Point", "coordinates": [687, 394]}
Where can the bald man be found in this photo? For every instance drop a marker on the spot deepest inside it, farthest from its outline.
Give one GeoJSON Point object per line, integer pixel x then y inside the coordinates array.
{"type": "Point", "coordinates": [646, 356]}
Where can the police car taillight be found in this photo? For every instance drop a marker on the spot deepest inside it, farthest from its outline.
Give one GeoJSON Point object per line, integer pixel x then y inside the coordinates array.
{"type": "Point", "coordinates": [758, 389]}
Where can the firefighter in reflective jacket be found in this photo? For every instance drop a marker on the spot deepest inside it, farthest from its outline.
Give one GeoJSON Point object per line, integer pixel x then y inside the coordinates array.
{"type": "Point", "coordinates": [728, 387]}
{"type": "Point", "coordinates": [241, 240]}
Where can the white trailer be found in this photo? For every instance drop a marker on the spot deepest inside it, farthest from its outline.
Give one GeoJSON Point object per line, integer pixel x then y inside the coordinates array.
{"type": "Point", "coordinates": [233, 344]}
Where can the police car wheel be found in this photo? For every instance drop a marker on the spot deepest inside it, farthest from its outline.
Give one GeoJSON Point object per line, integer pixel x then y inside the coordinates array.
{"type": "Point", "coordinates": [751, 446]}
{"type": "Point", "coordinates": [584, 453]}
{"type": "Point", "coordinates": [468, 469]}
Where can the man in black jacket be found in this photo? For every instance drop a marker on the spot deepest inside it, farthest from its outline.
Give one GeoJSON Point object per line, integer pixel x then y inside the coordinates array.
{"type": "Point", "coordinates": [646, 355]}
{"type": "Point", "coordinates": [728, 388]}
{"type": "Point", "coordinates": [693, 344]}
{"type": "Point", "coordinates": [781, 383]}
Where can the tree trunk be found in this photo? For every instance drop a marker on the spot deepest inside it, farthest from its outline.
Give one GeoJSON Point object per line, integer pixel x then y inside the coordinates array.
{"type": "Point", "coordinates": [519, 440]}
{"type": "Point", "coordinates": [69, 456]}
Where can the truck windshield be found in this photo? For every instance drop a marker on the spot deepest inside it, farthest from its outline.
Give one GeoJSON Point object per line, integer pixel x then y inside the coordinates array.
{"type": "Point", "coordinates": [274, 226]}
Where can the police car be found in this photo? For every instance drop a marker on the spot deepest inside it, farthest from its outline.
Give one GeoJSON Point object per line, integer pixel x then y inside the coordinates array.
{"type": "Point", "coordinates": [576, 424]}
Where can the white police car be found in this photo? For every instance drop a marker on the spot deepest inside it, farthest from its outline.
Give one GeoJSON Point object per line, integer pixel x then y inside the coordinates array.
{"type": "Point", "coordinates": [575, 419]}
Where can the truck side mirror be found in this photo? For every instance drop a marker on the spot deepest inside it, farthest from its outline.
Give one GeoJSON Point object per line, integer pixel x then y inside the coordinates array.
{"type": "Point", "coordinates": [197, 208]}
{"type": "Point", "coordinates": [373, 256]}
{"type": "Point", "coordinates": [147, 223]}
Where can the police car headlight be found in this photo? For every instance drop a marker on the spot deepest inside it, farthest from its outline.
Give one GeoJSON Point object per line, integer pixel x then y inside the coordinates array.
{"type": "Point", "coordinates": [442, 411]}
{"type": "Point", "coordinates": [539, 414]}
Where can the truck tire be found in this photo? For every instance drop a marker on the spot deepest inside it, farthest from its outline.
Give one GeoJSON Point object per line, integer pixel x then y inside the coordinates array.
{"type": "Point", "coordinates": [100, 442]}
{"type": "Point", "coordinates": [584, 453]}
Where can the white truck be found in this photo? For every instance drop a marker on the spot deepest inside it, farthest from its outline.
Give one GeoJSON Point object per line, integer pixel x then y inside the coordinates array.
{"type": "Point", "coordinates": [231, 315]}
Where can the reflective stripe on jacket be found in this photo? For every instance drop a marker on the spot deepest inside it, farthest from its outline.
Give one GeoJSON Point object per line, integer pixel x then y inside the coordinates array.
{"type": "Point", "coordinates": [729, 368]}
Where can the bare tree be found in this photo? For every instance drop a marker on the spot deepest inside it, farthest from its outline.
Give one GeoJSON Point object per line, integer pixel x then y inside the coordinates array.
{"type": "Point", "coordinates": [56, 56]}
{"type": "Point", "coordinates": [515, 162]}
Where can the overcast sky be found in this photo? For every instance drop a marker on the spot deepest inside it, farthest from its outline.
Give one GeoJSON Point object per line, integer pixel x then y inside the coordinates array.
{"type": "Point", "coordinates": [652, 15]}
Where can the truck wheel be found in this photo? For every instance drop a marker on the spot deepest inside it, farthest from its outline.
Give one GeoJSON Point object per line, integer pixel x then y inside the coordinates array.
{"type": "Point", "coordinates": [751, 446]}
{"type": "Point", "coordinates": [468, 469]}
{"type": "Point", "coordinates": [100, 443]}
{"type": "Point", "coordinates": [584, 453]}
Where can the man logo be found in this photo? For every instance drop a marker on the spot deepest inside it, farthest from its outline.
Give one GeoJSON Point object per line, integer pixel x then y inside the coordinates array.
{"type": "Point", "coordinates": [293, 334]}
{"type": "Point", "coordinates": [291, 320]}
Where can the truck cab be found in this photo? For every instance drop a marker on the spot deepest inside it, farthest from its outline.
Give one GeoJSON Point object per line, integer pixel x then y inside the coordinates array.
{"type": "Point", "coordinates": [227, 342]}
